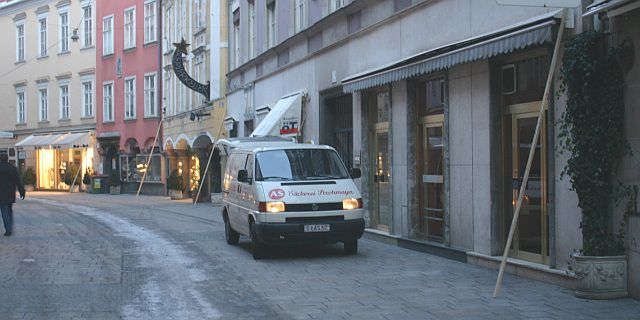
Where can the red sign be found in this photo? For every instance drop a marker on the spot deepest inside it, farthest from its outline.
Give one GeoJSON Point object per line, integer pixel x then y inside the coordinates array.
{"type": "Point", "coordinates": [276, 194]}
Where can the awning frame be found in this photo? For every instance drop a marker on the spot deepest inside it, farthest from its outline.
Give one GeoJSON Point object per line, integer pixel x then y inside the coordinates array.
{"type": "Point", "coordinates": [531, 32]}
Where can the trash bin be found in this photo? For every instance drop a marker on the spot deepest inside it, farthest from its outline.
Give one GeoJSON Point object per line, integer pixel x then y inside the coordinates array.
{"type": "Point", "coordinates": [100, 184]}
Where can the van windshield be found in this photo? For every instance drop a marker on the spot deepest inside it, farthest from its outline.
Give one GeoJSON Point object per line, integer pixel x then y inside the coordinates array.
{"type": "Point", "coordinates": [299, 164]}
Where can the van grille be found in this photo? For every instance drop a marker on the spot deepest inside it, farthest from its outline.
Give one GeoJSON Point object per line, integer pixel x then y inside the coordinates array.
{"type": "Point", "coordinates": [297, 207]}
{"type": "Point", "coordinates": [316, 219]}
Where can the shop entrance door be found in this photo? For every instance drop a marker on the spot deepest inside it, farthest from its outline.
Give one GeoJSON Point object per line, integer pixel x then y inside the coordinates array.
{"type": "Point", "coordinates": [381, 174]}
{"type": "Point", "coordinates": [431, 212]}
{"type": "Point", "coordinates": [531, 239]}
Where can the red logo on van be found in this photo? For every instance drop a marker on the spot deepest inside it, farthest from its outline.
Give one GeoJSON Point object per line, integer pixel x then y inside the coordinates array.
{"type": "Point", "coordinates": [276, 194]}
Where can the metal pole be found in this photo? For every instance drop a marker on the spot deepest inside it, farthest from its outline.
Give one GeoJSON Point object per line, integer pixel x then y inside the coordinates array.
{"type": "Point", "coordinates": [144, 175]}
{"type": "Point", "coordinates": [525, 180]}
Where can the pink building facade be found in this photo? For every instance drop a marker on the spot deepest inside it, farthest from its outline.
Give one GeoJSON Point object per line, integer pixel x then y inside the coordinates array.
{"type": "Point", "coordinates": [128, 85]}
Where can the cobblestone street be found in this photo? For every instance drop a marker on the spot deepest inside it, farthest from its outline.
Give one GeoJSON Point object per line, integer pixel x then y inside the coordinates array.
{"type": "Point", "coordinates": [86, 256]}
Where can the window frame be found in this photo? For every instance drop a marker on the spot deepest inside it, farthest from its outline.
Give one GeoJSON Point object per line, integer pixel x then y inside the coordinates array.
{"type": "Point", "coordinates": [153, 91]}
{"type": "Point", "coordinates": [131, 96]}
{"type": "Point", "coordinates": [272, 25]}
{"type": "Point", "coordinates": [86, 101]}
{"type": "Point", "coordinates": [107, 39]}
{"type": "Point", "coordinates": [131, 33]}
{"type": "Point", "coordinates": [43, 35]}
{"type": "Point", "coordinates": [21, 105]}
{"type": "Point", "coordinates": [111, 108]}
{"type": "Point", "coordinates": [251, 26]}
{"type": "Point", "coordinates": [43, 104]}
{"type": "Point", "coordinates": [63, 101]}
{"type": "Point", "coordinates": [87, 33]}
{"type": "Point", "coordinates": [20, 42]}
{"type": "Point", "coordinates": [63, 30]}
{"type": "Point", "coordinates": [150, 25]}
{"type": "Point", "coordinates": [299, 15]}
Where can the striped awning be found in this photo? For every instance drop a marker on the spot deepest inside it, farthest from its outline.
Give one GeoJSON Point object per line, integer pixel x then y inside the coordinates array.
{"type": "Point", "coordinates": [528, 33]}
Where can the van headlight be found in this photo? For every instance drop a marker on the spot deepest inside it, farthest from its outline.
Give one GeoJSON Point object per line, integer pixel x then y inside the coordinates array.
{"type": "Point", "coordinates": [351, 204]}
{"type": "Point", "coordinates": [272, 206]}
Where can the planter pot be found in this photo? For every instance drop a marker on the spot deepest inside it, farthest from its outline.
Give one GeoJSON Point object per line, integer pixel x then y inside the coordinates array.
{"type": "Point", "coordinates": [74, 188]}
{"type": "Point", "coordinates": [86, 187]}
{"type": "Point", "coordinates": [601, 277]}
{"type": "Point", "coordinates": [28, 188]}
{"type": "Point", "coordinates": [175, 194]}
{"type": "Point", "coordinates": [114, 190]}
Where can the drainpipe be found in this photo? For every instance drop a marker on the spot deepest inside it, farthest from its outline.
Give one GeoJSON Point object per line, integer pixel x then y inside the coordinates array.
{"type": "Point", "coordinates": [159, 86]}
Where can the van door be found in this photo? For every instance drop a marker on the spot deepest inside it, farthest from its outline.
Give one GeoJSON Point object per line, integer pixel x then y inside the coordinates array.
{"type": "Point", "coordinates": [230, 189]}
{"type": "Point", "coordinates": [246, 196]}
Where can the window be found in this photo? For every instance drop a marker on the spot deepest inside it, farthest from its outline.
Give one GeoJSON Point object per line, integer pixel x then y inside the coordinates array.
{"type": "Point", "coordinates": [64, 32]}
{"type": "Point", "coordinates": [64, 102]}
{"type": "Point", "coordinates": [130, 98]}
{"type": "Point", "coordinates": [150, 21]}
{"type": "Point", "coordinates": [200, 14]}
{"type": "Point", "coordinates": [42, 39]}
{"type": "Point", "coordinates": [87, 26]}
{"type": "Point", "coordinates": [20, 108]}
{"type": "Point", "coordinates": [87, 99]}
{"type": "Point", "coordinates": [236, 38]}
{"type": "Point", "coordinates": [252, 29]}
{"type": "Point", "coordinates": [130, 28]}
{"type": "Point", "coordinates": [44, 104]}
{"type": "Point", "coordinates": [107, 35]}
{"type": "Point", "coordinates": [107, 102]}
{"type": "Point", "coordinates": [150, 95]}
{"type": "Point", "coordinates": [271, 24]}
{"type": "Point", "coordinates": [335, 5]}
{"type": "Point", "coordinates": [20, 43]}
{"type": "Point", "coordinates": [133, 166]}
{"type": "Point", "coordinates": [299, 164]}
{"type": "Point", "coordinates": [299, 15]}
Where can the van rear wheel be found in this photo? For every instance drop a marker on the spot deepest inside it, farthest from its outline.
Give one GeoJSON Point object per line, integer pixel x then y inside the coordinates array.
{"type": "Point", "coordinates": [351, 247]}
{"type": "Point", "coordinates": [230, 235]}
{"type": "Point", "coordinates": [259, 249]}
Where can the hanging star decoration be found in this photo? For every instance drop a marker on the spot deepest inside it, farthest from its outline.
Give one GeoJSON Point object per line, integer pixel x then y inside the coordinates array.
{"type": "Point", "coordinates": [181, 73]}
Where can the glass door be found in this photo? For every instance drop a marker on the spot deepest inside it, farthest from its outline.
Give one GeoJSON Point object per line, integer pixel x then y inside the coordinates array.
{"type": "Point", "coordinates": [530, 241]}
{"type": "Point", "coordinates": [431, 213]}
{"type": "Point", "coordinates": [381, 179]}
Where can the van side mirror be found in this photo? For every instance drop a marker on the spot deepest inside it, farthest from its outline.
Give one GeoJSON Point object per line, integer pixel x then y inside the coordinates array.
{"type": "Point", "coordinates": [243, 176]}
{"type": "Point", "coordinates": [355, 173]}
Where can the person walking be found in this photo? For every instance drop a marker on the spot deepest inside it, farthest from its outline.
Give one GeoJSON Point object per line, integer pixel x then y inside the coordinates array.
{"type": "Point", "coordinates": [9, 182]}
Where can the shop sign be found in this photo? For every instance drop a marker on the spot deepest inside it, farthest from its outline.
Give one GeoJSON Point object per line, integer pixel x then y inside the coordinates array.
{"type": "Point", "coordinates": [22, 155]}
{"type": "Point", "coordinates": [96, 184]}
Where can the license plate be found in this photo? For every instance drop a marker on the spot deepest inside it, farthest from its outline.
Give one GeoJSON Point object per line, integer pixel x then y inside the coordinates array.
{"type": "Point", "coordinates": [316, 228]}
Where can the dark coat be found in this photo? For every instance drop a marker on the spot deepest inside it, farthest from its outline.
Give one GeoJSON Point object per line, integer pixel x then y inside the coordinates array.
{"type": "Point", "coordinates": [9, 182]}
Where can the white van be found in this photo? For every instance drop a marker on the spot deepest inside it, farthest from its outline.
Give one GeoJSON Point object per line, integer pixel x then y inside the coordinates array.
{"type": "Point", "coordinates": [285, 193]}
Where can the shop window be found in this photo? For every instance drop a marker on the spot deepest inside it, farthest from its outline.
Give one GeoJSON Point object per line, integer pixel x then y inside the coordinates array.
{"type": "Point", "coordinates": [132, 168]}
{"type": "Point", "coordinates": [524, 80]}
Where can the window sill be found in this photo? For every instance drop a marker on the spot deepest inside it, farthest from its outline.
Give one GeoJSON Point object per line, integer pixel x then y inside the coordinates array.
{"type": "Point", "coordinates": [130, 120]}
{"type": "Point", "coordinates": [107, 56]}
{"type": "Point", "coordinates": [19, 62]}
{"type": "Point", "coordinates": [87, 118]}
{"type": "Point", "coordinates": [87, 48]}
{"type": "Point", "coordinates": [43, 122]}
{"type": "Point", "coordinates": [130, 49]}
{"type": "Point", "coordinates": [108, 122]}
{"type": "Point", "coordinates": [21, 124]}
{"type": "Point", "coordinates": [199, 30]}
{"type": "Point", "coordinates": [64, 120]}
{"type": "Point", "coordinates": [150, 117]}
{"type": "Point", "coordinates": [65, 53]}
{"type": "Point", "coordinates": [43, 57]}
{"type": "Point", "coordinates": [151, 43]}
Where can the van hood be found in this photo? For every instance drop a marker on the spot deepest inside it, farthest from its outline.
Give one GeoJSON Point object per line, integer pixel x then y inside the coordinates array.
{"type": "Point", "coordinates": [321, 191]}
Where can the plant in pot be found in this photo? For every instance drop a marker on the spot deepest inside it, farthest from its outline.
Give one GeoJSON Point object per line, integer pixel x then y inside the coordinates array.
{"type": "Point", "coordinates": [29, 179]}
{"type": "Point", "coordinates": [591, 133]}
{"type": "Point", "coordinates": [175, 185]}
{"type": "Point", "coordinates": [86, 180]}
{"type": "Point", "coordinates": [71, 178]}
{"type": "Point", "coordinates": [114, 182]}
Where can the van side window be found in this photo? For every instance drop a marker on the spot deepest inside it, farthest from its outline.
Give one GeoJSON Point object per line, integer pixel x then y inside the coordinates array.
{"type": "Point", "coordinates": [249, 168]}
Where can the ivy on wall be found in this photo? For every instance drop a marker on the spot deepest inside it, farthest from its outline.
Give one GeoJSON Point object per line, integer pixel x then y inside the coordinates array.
{"type": "Point", "coordinates": [591, 132]}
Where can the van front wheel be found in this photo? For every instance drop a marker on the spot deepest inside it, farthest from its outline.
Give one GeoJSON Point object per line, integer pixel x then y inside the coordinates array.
{"type": "Point", "coordinates": [351, 246]}
{"type": "Point", "coordinates": [230, 235]}
{"type": "Point", "coordinates": [259, 249]}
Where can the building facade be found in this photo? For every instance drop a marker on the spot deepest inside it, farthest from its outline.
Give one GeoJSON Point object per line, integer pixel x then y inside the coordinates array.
{"type": "Point", "coordinates": [129, 86]}
{"type": "Point", "coordinates": [192, 123]}
{"type": "Point", "coordinates": [48, 87]}
{"type": "Point", "coordinates": [436, 102]}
